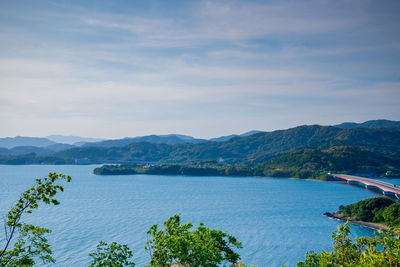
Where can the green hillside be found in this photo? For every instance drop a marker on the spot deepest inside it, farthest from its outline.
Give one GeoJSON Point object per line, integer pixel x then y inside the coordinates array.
{"type": "Point", "coordinates": [309, 162]}
{"type": "Point", "coordinates": [377, 210]}
{"type": "Point", "coordinates": [372, 124]}
{"type": "Point", "coordinates": [301, 148]}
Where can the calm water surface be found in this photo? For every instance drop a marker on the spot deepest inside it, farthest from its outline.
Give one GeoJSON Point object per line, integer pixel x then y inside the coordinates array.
{"type": "Point", "coordinates": [277, 220]}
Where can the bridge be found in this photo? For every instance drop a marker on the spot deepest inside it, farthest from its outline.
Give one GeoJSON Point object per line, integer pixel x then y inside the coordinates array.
{"type": "Point", "coordinates": [387, 189]}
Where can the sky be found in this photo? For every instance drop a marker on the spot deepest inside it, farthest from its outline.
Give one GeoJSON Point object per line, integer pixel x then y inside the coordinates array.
{"type": "Point", "coordinates": [113, 69]}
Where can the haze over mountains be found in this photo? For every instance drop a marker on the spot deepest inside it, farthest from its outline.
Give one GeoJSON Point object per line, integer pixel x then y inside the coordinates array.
{"type": "Point", "coordinates": [72, 140]}
{"type": "Point", "coordinates": [10, 142]}
{"type": "Point", "coordinates": [45, 145]}
{"type": "Point", "coordinates": [379, 137]}
{"type": "Point", "coordinates": [61, 142]}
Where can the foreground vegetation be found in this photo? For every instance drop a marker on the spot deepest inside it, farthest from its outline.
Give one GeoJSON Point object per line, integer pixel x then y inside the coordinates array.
{"type": "Point", "coordinates": [29, 242]}
{"type": "Point", "coordinates": [178, 245]}
{"type": "Point", "coordinates": [382, 250]}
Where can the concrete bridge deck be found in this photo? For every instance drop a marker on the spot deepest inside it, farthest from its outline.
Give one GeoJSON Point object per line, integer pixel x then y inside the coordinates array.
{"type": "Point", "coordinates": [387, 189]}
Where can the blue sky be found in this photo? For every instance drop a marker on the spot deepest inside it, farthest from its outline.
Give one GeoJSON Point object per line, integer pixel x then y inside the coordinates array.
{"type": "Point", "coordinates": [205, 68]}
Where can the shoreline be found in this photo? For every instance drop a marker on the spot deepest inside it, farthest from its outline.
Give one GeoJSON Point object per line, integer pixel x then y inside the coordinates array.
{"type": "Point", "coordinates": [374, 226]}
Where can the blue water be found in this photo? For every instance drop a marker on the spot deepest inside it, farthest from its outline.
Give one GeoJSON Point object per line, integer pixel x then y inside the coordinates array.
{"type": "Point", "coordinates": [277, 220]}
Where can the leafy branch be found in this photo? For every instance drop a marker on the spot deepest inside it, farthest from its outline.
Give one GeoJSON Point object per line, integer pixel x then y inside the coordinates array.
{"type": "Point", "coordinates": [31, 241]}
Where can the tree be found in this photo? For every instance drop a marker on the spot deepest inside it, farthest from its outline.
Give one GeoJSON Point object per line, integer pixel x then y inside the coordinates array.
{"type": "Point", "coordinates": [30, 243]}
{"type": "Point", "coordinates": [177, 244]}
{"type": "Point", "coordinates": [380, 250]}
{"type": "Point", "coordinates": [391, 214]}
{"type": "Point", "coordinates": [113, 255]}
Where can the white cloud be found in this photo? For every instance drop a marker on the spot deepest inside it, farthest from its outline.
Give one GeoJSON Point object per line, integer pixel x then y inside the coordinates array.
{"type": "Point", "coordinates": [220, 67]}
{"type": "Point", "coordinates": [231, 21]}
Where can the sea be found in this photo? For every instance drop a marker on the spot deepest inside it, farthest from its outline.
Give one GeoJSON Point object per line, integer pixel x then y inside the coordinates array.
{"type": "Point", "coordinates": [277, 220]}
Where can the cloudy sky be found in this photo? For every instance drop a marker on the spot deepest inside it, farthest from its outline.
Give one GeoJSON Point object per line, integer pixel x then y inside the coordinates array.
{"type": "Point", "coordinates": [112, 69]}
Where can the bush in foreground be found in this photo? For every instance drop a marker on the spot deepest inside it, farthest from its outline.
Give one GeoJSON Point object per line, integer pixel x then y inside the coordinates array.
{"type": "Point", "coordinates": [381, 250]}
{"type": "Point", "coordinates": [178, 244]}
{"type": "Point", "coordinates": [29, 242]}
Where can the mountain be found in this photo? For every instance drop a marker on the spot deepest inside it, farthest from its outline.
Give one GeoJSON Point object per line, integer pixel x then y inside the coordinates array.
{"type": "Point", "coordinates": [372, 124]}
{"type": "Point", "coordinates": [170, 139]}
{"type": "Point", "coordinates": [305, 163]}
{"type": "Point", "coordinates": [184, 137]}
{"type": "Point", "coordinates": [254, 148]}
{"type": "Point", "coordinates": [227, 137]}
{"type": "Point", "coordinates": [251, 132]}
{"type": "Point", "coordinates": [342, 159]}
{"type": "Point", "coordinates": [223, 138]}
{"type": "Point", "coordinates": [4, 151]}
{"type": "Point", "coordinates": [63, 139]}
{"type": "Point", "coordinates": [59, 147]}
{"type": "Point", "coordinates": [10, 142]}
{"type": "Point", "coordinates": [23, 150]}
{"type": "Point", "coordinates": [251, 149]}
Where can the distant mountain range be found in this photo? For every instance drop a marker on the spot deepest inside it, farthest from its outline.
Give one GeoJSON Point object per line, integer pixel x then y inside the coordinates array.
{"type": "Point", "coordinates": [20, 145]}
{"type": "Point", "coordinates": [372, 124]}
{"type": "Point", "coordinates": [248, 148]}
{"type": "Point", "coordinates": [72, 140]}
{"type": "Point", "coordinates": [227, 137]}
{"type": "Point", "coordinates": [55, 143]}
{"type": "Point", "coordinates": [10, 142]}
{"type": "Point", "coordinates": [171, 139]}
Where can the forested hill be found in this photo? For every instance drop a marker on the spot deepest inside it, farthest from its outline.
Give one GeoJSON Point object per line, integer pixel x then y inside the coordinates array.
{"type": "Point", "coordinates": [308, 162]}
{"type": "Point", "coordinates": [372, 124]}
{"type": "Point", "coordinates": [256, 148]}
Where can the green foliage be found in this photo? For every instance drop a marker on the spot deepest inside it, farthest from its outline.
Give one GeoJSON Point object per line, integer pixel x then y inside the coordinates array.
{"type": "Point", "coordinates": [381, 250]}
{"type": "Point", "coordinates": [241, 264]}
{"type": "Point", "coordinates": [116, 169]}
{"type": "Point", "coordinates": [31, 243]}
{"type": "Point", "coordinates": [308, 163]}
{"type": "Point", "coordinates": [178, 244]}
{"type": "Point", "coordinates": [112, 255]}
{"type": "Point", "coordinates": [198, 169]}
{"type": "Point", "coordinates": [391, 215]}
{"type": "Point", "coordinates": [379, 210]}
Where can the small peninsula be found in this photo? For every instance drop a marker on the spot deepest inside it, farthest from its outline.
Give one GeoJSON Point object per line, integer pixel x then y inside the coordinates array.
{"type": "Point", "coordinates": [208, 169]}
{"type": "Point", "coordinates": [380, 213]}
